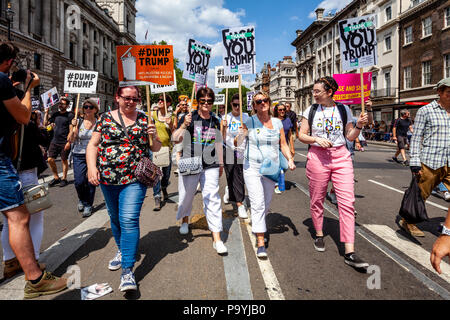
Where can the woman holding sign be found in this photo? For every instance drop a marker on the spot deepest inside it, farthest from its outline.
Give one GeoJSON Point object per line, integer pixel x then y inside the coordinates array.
{"type": "Point", "coordinates": [201, 161]}
{"type": "Point", "coordinates": [111, 159]}
{"type": "Point", "coordinates": [329, 159]}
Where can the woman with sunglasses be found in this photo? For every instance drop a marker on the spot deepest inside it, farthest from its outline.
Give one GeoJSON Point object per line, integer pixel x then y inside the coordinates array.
{"type": "Point", "coordinates": [111, 159]}
{"type": "Point", "coordinates": [280, 113]}
{"type": "Point", "coordinates": [200, 133]}
{"type": "Point", "coordinates": [265, 140]}
{"type": "Point", "coordinates": [235, 190]}
{"type": "Point", "coordinates": [329, 159]}
{"type": "Point", "coordinates": [79, 135]}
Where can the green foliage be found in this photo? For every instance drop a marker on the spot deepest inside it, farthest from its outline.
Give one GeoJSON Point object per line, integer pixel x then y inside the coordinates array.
{"type": "Point", "coordinates": [234, 91]}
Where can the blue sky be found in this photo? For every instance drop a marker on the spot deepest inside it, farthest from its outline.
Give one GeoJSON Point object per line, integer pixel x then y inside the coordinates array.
{"type": "Point", "coordinates": [276, 22]}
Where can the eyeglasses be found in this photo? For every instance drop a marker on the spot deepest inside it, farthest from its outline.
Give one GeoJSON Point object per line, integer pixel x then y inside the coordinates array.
{"type": "Point", "coordinates": [88, 106]}
{"type": "Point", "coordinates": [317, 92]}
{"type": "Point", "coordinates": [183, 105]}
{"type": "Point", "coordinates": [235, 104]}
{"type": "Point", "coordinates": [131, 99]}
{"type": "Point", "coordinates": [281, 110]}
{"type": "Point", "coordinates": [259, 101]}
{"type": "Point", "coordinates": [206, 101]}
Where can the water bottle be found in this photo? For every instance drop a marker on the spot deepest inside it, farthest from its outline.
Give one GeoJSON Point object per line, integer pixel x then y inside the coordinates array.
{"type": "Point", "coordinates": [281, 185]}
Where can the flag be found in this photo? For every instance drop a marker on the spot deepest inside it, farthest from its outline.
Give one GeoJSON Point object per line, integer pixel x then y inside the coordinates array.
{"type": "Point", "coordinates": [146, 34]}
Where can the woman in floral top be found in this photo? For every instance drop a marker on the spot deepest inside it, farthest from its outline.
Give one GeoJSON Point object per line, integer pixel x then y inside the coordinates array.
{"type": "Point", "coordinates": [111, 160]}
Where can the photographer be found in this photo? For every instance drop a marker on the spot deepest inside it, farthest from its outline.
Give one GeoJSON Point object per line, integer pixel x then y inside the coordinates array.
{"type": "Point", "coordinates": [12, 112]}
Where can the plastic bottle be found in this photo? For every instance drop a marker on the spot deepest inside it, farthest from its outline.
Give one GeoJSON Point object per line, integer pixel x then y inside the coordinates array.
{"type": "Point", "coordinates": [281, 185]}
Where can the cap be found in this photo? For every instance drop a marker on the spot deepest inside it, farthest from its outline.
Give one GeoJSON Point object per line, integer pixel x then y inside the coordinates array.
{"type": "Point", "coordinates": [444, 82]}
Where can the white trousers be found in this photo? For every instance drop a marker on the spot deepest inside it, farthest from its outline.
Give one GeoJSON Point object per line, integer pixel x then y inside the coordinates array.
{"type": "Point", "coordinates": [260, 190]}
{"type": "Point", "coordinates": [27, 177]}
{"type": "Point", "coordinates": [209, 182]}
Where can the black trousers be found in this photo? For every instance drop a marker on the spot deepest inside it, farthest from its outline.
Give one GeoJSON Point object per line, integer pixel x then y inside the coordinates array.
{"type": "Point", "coordinates": [235, 180]}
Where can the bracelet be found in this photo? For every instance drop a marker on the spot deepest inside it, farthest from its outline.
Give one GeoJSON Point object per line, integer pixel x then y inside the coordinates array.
{"type": "Point", "coordinates": [358, 128]}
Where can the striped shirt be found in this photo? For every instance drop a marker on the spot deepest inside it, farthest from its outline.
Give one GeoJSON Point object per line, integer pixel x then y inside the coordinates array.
{"type": "Point", "coordinates": [430, 142]}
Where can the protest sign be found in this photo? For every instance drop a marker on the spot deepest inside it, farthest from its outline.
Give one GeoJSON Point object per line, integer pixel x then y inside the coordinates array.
{"type": "Point", "coordinates": [223, 81]}
{"type": "Point", "coordinates": [240, 54]}
{"type": "Point", "coordinates": [197, 62]}
{"type": "Point", "coordinates": [157, 88]}
{"type": "Point", "coordinates": [145, 65]}
{"type": "Point", "coordinates": [250, 95]}
{"type": "Point", "coordinates": [50, 98]}
{"type": "Point", "coordinates": [358, 42]}
{"type": "Point", "coordinates": [79, 81]}
{"type": "Point", "coordinates": [35, 103]}
{"type": "Point", "coordinates": [219, 99]}
{"type": "Point", "coordinates": [349, 91]}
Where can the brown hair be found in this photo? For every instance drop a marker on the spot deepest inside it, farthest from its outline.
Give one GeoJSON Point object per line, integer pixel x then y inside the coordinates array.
{"type": "Point", "coordinates": [8, 51]}
{"type": "Point", "coordinates": [328, 83]}
{"type": "Point", "coordinates": [203, 92]}
{"type": "Point", "coordinates": [120, 89]}
{"type": "Point", "coordinates": [92, 102]}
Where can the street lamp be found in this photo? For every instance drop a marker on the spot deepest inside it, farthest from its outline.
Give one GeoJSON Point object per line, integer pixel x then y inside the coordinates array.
{"type": "Point", "coordinates": [9, 18]}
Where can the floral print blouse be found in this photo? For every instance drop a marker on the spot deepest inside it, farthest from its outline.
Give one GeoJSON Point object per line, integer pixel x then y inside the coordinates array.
{"type": "Point", "coordinates": [117, 157]}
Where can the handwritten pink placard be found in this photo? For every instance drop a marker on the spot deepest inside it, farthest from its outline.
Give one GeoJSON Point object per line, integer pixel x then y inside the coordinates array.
{"type": "Point", "coordinates": [349, 91]}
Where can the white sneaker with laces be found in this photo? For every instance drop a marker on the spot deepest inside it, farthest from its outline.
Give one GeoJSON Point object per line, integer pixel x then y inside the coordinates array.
{"type": "Point", "coordinates": [220, 247]}
{"type": "Point", "coordinates": [447, 196]}
{"type": "Point", "coordinates": [184, 229]}
{"type": "Point", "coordinates": [226, 196]}
{"type": "Point", "coordinates": [242, 211]}
{"type": "Point", "coordinates": [277, 190]}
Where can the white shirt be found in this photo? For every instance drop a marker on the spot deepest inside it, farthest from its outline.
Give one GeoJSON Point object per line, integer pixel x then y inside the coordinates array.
{"type": "Point", "coordinates": [233, 128]}
{"type": "Point", "coordinates": [328, 124]}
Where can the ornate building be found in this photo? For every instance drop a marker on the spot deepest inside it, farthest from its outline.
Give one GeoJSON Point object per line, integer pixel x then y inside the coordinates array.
{"type": "Point", "coordinates": [51, 39]}
{"type": "Point", "coordinates": [283, 83]}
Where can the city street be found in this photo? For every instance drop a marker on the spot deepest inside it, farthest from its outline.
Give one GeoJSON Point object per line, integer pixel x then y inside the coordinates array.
{"type": "Point", "coordinates": [174, 267]}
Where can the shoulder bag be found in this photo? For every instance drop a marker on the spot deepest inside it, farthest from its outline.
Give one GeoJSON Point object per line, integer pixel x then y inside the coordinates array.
{"type": "Point", "coordinates": [146, 171]}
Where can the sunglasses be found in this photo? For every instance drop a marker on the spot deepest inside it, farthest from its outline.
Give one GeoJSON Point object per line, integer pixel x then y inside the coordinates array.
{"type": "Point", "coordinates": [129, 99]}
{"type": "Point", "coordinates": [88, 106]}
{"type": "Point", "coordinates": [183, 105]}
{"type": "Point", "coordinates": [259, 101]}
{"type": "Point", "coordinates": [206, 101]}
{"type": "Point", "coordinates": [235, 104]}
{"type": "Point", "coordinates": [282, 110]}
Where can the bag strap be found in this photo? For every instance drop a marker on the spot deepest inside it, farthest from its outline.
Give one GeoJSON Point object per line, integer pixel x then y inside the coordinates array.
{"type": "Point", "coordinates": [19, 160]}
{"type": "Point", "coordinates": [311, 115]}
{"type": "Point", "coordinates": [343, 114]}
{"type": "Point", "coordinates": [123, 126]}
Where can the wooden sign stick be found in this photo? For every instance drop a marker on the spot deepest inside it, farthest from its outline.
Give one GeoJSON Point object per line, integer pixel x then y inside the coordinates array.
{"type": "Point", "coordinates": [165, 104]}
{"type": "Point", "coordinates": [362, 90]}
{"type": "Point", "coordinates": [149, 110]}
{"type": "Point", "coordinates": [240, 98]}
{"type": "Point", "coordinates": [192, 98]}
{"type": "Point", "coordinates": [76, 112]}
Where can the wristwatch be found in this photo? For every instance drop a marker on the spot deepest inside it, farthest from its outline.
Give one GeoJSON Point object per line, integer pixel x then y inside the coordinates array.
{"type": "Point", "coordinates": [445, 231]}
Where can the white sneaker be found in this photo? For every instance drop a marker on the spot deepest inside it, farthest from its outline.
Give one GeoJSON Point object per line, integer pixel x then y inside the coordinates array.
{"type": "Point", "coordinates": [199, 187]}
{"type": "Point", "coordinates": [184, 229]}
{"type": "Point", "coordinates": [242, 211]}
{"type": "Point", "coordinates": [277, 190]}
{"type": "Point", "coordinates": [226, 196]}
{"type": "Point", "coordinates": [447, 196]}
{"type": "Point", "coordinates": [220, 247]}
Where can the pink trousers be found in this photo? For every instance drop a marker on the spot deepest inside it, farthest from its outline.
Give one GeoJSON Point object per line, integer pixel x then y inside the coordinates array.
{"type": "Point", "coordinates": [335, 164]}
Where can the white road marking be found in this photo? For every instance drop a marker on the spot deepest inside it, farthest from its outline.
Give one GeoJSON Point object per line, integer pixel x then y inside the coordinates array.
{"type": "Point", "coordinates": [402, 192]}
{"type": "Point", "coordinates": [301, 155]}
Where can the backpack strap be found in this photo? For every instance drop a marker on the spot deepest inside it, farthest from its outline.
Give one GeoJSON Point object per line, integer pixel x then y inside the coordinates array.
{"type": "Point", "coordinates": [311, 115]}
{"type": "Point", "coordinates": [343, 114]}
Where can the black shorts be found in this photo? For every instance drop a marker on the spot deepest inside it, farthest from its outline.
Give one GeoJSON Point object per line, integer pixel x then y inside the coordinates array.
{"type": "Point", "coordinates": [402, 142]}
{"type": "Point", "coordinates": [57, 149]}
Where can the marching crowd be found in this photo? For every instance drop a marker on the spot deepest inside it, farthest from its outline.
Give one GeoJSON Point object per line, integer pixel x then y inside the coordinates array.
{"type": "Point", "coordinates": [254, 151]}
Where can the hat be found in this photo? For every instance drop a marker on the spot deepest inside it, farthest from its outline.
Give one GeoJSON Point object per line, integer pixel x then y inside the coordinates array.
{"type": "Point", "coordinates": [444, 82]}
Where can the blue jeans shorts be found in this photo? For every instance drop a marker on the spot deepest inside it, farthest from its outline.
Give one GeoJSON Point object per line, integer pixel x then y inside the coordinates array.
{"type": "Point", "coordinates": [11, 194]}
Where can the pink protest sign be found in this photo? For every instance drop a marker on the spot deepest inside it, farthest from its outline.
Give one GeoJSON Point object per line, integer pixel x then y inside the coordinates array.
{"type": "Point", "coordinates": [349, 91]}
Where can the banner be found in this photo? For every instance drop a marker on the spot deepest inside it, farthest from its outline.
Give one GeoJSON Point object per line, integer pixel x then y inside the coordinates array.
{"type": "Point", "coordinates": [358, 42]}
{"type": "Point", "coordinates": [225, 81]}
{"type": "Point", "coordinates": [197, 62]}
{"type": "Point", "coordinates": [250, 95]}
{"type": "Point", "coordinates": [157, 88]}
{"type": "Point", "coordinates": [145, 65]}
{"type": "Point", "coordinates": [35, 103]}
{"type": "Point", "coordinates": [78, 81]}
{"type": "Point", "coordinates": [219, 99]}
{"type": "Point", "coordinates": [240, 54]}
{"type": "Point", "coordinates": [349, 91]}
{"type": "Point", "coordinates": [50, 98]}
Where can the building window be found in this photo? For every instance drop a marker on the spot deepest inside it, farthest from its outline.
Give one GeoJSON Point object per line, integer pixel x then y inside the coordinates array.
{"type": "Point", "coordinates": [374, 83]}
{"type": "Point", "coordinates": [288, 82]}
{"type": "Point", "coordinates": [447, 17]}
{"type": "Point", "coordinates": [71, 51]}
{"type": "Point", "coordinates": [95, 61]}
{"type": "Point", "coordinates": [387, 83]}
{"type": "Point", "coordinates": [84, 56]}
{"type": "Point", "coordinates": [288, 93]}
{"type": "Point", "coordinates": [407, 76]}
{"type": "Point", "coordinates": [426, 27]}
{"type": "Point", "coordinates": [37, 61]}
{"type": "Point", "coordinates": [387, 43]}
{"type": "Point", "coordinates": [388, 13]}
{"type": "Point", "coordinates": [408, 35]}
{"type": "Point", "coordinates": [447, 66]}
{"type": "Point", "coordinates": [84, 28]}
{"type": "Point", "coordinates": [95, 35]}
{"type": "Point", "coordinates": [426, 73]}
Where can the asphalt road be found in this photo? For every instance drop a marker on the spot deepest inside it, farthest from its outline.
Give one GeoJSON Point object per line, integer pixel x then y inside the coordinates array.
{"type": "Point", "coordinates": [171, 266]}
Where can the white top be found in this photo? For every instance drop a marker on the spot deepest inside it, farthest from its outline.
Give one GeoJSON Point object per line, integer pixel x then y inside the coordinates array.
{"type": "Point", "coordinates": [233, 129]}
{"type": "Point", "coordinates": [268, 139]}
{"type": "Point", "coordinates": [328, 124]}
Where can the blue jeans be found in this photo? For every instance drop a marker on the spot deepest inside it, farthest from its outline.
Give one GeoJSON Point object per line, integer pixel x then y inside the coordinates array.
{"type": "Point", "coordinates": [442, 187]}
{"type": "Point", "coordinates": [164, 182]}
{"type": "Point", "coordinates": [11, 194]}
{"type": "Point", "coordinates": [85, 190]}
{"type": "Point", "coordinates": [124, 203]}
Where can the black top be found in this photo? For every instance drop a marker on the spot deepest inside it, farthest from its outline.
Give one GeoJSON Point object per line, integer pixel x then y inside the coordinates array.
{"type": "Point", "coordinates": [7, 123]}
{"type": "Point", "coordinates": [402, 127]}
{"type": "Point", "coordinates": [203, 134]}
{"type": "Point", "coordinates": [293, 116]}
{"type": "Point", "coordinates": [62, 122]}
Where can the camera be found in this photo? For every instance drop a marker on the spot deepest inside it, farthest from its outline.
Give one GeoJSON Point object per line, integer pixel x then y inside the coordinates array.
{"type": "Point", "coordinates": [20, 76]}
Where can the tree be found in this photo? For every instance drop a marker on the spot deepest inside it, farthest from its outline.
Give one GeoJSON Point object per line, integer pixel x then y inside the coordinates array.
{"type": "Point", "coordinates": [233, 91]}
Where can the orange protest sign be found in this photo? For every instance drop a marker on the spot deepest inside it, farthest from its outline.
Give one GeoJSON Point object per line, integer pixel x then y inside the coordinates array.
{"type": "Point", "coordinates": [145, 65]}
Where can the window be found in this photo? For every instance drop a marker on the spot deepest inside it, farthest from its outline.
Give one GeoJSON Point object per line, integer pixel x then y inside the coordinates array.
{"type": "Point", "coordinates": [37, 61]}
{"type": "Point", "coordinates": [407, 77]}
{"type": "Point", "coordinates": [95, 35]}
{"type": "Point", "coordinates": [84, 57]}
{"type": "Point", "coordinates": [388, 13]}
{"type": "Point", "coordinates": [288, 82]}
{"type": "Point", "coordinates": [84, 28]}
{"type": "Point", "coordinates": [408, 35]}
{"type": "Point", "coordinates": [374, 82]}
{"type": "Point", "coordinates": [447, 17]}
{"type": "Point", "coordinates": [71, 51]}
{"type": "Point", "coordinates": [288, 93]}
{"type": "Point", "coordinates": [95, 61]}
{"type": "Point", "coordinates": [426, 27]}
{"type": "Point", "coordinates": [446, 65]}
{"type": "Point", "coordinates": [387, 83]}
{"type": "Point", "coordinates": [387, 43]}
{"type": "Point", "coordinates": [426, 73]}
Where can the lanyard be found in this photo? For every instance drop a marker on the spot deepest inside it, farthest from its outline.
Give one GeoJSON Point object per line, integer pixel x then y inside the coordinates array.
{"type": "Point", "coordinates": [328, 125]}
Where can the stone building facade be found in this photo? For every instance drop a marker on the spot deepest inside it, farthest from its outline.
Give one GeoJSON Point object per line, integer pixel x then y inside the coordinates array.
{"type": "Point", "coordinates": [49, 43]}
{"type": "Point", "coordinates": [283, 83]}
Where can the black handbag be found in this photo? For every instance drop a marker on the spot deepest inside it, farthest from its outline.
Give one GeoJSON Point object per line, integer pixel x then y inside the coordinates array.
{"type": "Point", "coordinates": [413, 208]}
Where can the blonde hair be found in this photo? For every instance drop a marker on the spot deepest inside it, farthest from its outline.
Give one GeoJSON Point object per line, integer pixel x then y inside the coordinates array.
{"type": "Point", "coordinates": [91, 101]}
{"type": "Point", "coordinates": [254, 102]}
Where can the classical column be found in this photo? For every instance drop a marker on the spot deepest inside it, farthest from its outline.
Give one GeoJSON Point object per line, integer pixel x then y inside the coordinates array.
{"type": "Point", "coordinates": [100, 53]}
{"type": "Point", "coordinates": [46, 16]}
{"type": "Point", "coordinates": [54, 28]}
{"type": "Point", "coordinates": [16, 19]}
{"type": "Point", "coordinates": [79, 54]}
{"type": "Point", "coordinates": [24, 11]}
